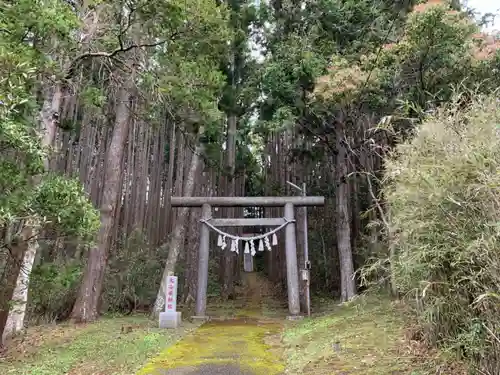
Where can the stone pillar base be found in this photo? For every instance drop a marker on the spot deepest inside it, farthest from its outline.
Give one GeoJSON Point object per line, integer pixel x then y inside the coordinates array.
{"type": "Point", "coordinates": [170, 319]}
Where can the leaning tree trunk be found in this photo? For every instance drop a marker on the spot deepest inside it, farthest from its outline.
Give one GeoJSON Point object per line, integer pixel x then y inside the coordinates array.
{"type": "Point", "coordinates": [17, 312]}
{"type": "Point", "coordinates": [175, 243]}
{"type": "Point", "coordinates": [347, 282]}
{"type": "Point", "coordinates": [87, 303]}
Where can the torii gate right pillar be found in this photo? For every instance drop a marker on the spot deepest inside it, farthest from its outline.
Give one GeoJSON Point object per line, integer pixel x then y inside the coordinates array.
{"type": "Point", "coordinates": [292, 272]}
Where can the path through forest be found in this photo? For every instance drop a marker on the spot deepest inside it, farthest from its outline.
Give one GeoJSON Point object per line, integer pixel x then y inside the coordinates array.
{"type": "Point", "coordinates": [243, 346]}
{"type": "Point", "coordinates": [244, 341]}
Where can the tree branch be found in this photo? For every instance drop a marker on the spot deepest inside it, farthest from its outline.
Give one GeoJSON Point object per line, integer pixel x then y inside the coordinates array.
{"type": "Point", "coordinates": [109, 55]}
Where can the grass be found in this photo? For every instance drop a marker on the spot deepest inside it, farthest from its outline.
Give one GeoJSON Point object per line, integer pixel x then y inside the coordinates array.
{"type": "Point", "coordinates": [365, 336]}
{"type": "Point", "coordinates": [99, 348]}
{"type": "Point", "coordinates": [252, 345]}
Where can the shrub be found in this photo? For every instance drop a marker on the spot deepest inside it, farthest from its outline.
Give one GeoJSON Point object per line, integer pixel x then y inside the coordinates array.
{"type": "Point", "coordinates": [443, 194]}
{"type": "Point", "coordinates": [53, 288]}
{"type": "Point", "coordinates": [133, 275]}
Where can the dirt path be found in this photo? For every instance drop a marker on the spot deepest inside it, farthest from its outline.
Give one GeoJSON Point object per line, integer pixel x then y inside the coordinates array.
{"type": "Point", "coordinates": [240, 346]}
{"type": "Point", "coordinates": [245, 342]}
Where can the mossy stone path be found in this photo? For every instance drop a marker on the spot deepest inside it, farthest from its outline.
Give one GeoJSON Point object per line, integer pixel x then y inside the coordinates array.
{"type": "Point", "coordinates": [248, 343]}
{"type": "Point", "coordinates": [242, 346]}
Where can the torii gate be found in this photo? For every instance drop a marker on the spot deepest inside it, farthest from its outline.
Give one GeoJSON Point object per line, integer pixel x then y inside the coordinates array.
{"type": "Point", "coordinates": [287, 222]}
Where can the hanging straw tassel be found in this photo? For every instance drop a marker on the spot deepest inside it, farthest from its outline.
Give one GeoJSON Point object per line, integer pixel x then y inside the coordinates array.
{"type": "Point", "coordinates": [252, 248]}
{"type": "Point", "coordinates": [267, 243]}
{"type": "Point", "coordinates": [219, 241]}
{"type": "Point", "coordinates": [247, 248]}
{"type": "Point", "coordinates": [275, 239]}
{"type": "Point", "coordinates": [261, 245]}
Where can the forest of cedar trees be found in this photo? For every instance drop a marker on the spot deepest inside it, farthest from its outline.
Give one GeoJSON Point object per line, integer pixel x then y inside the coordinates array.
{"type": "Point", "coordinates": [387, 108]}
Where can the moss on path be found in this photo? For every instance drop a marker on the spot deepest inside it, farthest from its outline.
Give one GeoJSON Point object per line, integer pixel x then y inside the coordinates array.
{"type": "Point", "coordinates": [234, 347]}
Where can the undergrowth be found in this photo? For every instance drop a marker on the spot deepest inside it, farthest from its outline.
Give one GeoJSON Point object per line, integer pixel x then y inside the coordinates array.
{"type": "Point", "coordinates": [443, 192]}
{"type": "Point", "coordinates": [367, 336]}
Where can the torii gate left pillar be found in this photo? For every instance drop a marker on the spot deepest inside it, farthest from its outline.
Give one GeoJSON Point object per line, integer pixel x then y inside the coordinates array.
{"type": "Point", "coordinates": [290, 237]}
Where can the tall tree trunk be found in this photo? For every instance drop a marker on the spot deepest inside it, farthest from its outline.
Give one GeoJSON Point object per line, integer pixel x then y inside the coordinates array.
{"type": "Point", "coordinates": [347, 283]}
{"type": "Point", "coordinates": [176, 241]}
{"type": "Point", "coordinates": [87, 303]}
{"type": "Point", "coordinates": [19, 298]}
{"type": "Point", "coordinates": [12, 268]}
{"type": "Point", "coordinates": [170, 180]}
{"type": "Point", "coordinates": [230, 188]}
{"type": "Point", "coordinates": [192, 245]}
{"type": "Point", "coordinates": [49, 119]}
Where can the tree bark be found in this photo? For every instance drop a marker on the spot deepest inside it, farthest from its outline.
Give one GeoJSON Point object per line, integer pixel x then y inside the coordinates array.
{"type": "Point", "coordinates": [347, 283]}
{"type": "Point", "coordinates": [12, 271]}
{"type": "Point", "coordinates": [87, 303]}
{"type": "Point", "coordinates": [192, 245]}
{"type": "Point", "coordinates": [228, 256]}
{"type": "Point", "coordinates": [169, 186]}
{"type": "Point", "coordinates": [175, 243]}
{"type": "Point", "coordinates": [48, 119]}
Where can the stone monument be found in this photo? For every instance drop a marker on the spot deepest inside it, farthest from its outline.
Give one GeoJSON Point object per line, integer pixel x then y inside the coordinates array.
{"type": "Point", "coordinates": [170, 318]}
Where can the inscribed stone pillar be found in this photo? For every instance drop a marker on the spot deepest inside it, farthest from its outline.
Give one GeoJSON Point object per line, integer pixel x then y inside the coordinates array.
{"type": "Point", "coordinates": [170, 318]}
{"type": "Point", "coordinates": [292, 272]}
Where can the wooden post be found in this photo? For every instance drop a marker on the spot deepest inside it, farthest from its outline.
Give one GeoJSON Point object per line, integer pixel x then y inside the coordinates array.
{"type": "Point", "coordinates": [201, 295]}
{"type": "Point", "coordinates": [307, 265]}
{"type": "Point", "coordinates": [292, 272]}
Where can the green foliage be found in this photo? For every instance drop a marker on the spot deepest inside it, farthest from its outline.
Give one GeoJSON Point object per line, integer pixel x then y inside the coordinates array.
{"type": "Point", "coordinates": [47, 18]}
{"type": "Point", "coordinates": [348, 27]}
{"type": "Point", "coordinates": [93, 97]}
{"type": "Point", "coordinates": [434, 53]}
{"type": "Point", "coordinates": [193, 85]}
{"type": "Point", "coordinates": [29, 28]}
{"type": "Point", "coordinates": [133, 274]}
{"type": "Point", "coordinates": [186, 80]}
{"type": "Point", "coordinates": [436, 41]}
{"type": "Point", "coordinates": [443, 192]}
{"type": "Point", "coordinates": [25, 190]}
{"type": "Point", "coordinates": [59, 200]}
{"type": "Point", "coordinates": [63, 202]}
{"type": "Point", "coordinates": [53, 288]}
{"type": "Point", "coordinates": [286, 78]}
